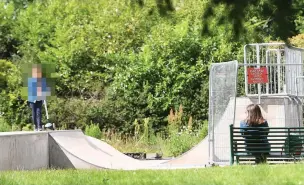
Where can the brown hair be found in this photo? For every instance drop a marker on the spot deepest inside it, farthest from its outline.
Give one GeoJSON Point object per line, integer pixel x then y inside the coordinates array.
{"type": "Point", "coordinates": [254, 116]}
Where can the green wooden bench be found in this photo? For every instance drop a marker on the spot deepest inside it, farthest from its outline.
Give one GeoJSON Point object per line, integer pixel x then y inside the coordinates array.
{"type": "Point", "coordinates": [286, 144]}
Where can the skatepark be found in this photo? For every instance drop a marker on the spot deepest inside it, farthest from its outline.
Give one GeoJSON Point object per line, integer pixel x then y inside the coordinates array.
{"type": "Point", "coordinates": [280, 99]}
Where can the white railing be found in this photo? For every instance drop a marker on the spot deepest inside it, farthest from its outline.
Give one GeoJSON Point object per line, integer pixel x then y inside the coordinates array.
{"type": "Point", "coordinates": [284, 66]}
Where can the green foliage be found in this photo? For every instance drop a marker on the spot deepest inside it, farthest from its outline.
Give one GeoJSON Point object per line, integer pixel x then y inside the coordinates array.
{"type": "Point", "coordinates": [182, 136]}
{"type": "Point", "coordinates": [173, 144]}
{"type": "Point", "coordinates": [172, 69]}
{"type": "Point", "coordinates": [203, 130]}
{"type": "Point", "coordinates": [27, 127]}
{"type": "Point", "coordinates": [180, 142]}
{"type": "Point", "coordinates": [158, 71]}
{"type": "Point", "coordinates": [148, 132]}
{"type": "Point", "coordinates": [297, 41]}
{"type": "Point", "coordinates": [12, 107]}
{"type": "Point", "coordinates": [120, 61]}
{"type": "Point", "coordinates": [179, 137]}
{"type": "Point", "coordinates": [143, 132]}
{"type": "Point", "coordinates": [15, 127]}
{"type": "Point", "coordinates": [71, 113]}
{"type": "Point", "coordinates": [4, 127]}
{"type": "Point", "coordinates": [79, 41]}
{"type": "Point", "coordinates": [7, 20]}
{"type": "Point", "coordinates": [8, 76]}
{"type": "Point", "coordinates": [93, 130]}
{"type": "Point", "coordinates": [299, 20]}
{"type": "Point", "coordinates": [271, 16]}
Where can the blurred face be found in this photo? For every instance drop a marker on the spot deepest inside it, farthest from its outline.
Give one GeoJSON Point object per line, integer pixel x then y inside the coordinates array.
{"type": "Point", "coordinates": [36, 72]}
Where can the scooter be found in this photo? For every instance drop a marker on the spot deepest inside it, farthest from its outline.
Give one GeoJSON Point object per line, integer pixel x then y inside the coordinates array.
{"type": "Point", "coordinates": [48, 125]}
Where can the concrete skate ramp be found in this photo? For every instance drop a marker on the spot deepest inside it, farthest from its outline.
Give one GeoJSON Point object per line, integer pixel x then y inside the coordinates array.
{"type": "Point", "coordinates": [101, 155]}
{"type": "Point", "coordinates": [83, 154]}
{"type": "Point", "coordinates": [190, 160]}
{"type": "Point", "coordinates": [23, 150]}
{"type": "Point", "coordinates": [113, 152]}
{"type": "Point", "coordinates": [76, 151]}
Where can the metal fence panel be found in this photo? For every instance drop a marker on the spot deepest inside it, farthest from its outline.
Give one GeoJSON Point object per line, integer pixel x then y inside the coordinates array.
{"type": "Point", "coordinates": [284, 66]}
{"type": "Point", "coordinates": [271, 56]}
{"type": "Point", "coordinates": [294, 71]}
{"type": "Point", "coordinates": [222, 82]}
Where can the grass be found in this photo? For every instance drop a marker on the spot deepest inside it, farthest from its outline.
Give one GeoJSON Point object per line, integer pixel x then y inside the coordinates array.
{"type": "Point", "coordinates": [262, 174]}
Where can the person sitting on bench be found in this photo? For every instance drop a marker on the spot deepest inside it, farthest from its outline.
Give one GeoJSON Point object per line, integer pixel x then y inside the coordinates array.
{"type": "Point", "coordinates": [252, 129]}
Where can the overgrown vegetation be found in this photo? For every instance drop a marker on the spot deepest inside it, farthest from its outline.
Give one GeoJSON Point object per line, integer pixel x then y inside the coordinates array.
{"type": "Point", "coordinates": [177, 139]}
{"type": "Point", "coordinates": [93, 131]}
{"type": "Point", "coordinates": [126, 64]}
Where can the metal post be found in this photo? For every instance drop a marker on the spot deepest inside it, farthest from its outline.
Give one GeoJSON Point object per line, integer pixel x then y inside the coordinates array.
{"type": "Point", "coordinates": [235, 90]}
{"type": "Point", "coordinates": [279, 71]}
{"type": "Point", "coordinates": [297, 85]}
{"type": "Point", "coordinates": [267, 85]}
{"type": "Point", "coordinates": [211, 130]}
{"type": "Point", "coordinates": [298, 103]}
{"type": "Point", "coordinates": [301, 69]}
{"type": "Point", "coordinates": [245, 70]}
{"type": "Point", "coordinates": [288, 140]}
{"type": "Point", "coordinates": [258, 66]}
{"type": "Point", "coordinates": [234, 113]}
{"type": "Point", "coordinates": [287, 70]}
{"type": "Point", "coordinates": [278, 55]}
{"type": "Point", "coordinates": [231, 145]}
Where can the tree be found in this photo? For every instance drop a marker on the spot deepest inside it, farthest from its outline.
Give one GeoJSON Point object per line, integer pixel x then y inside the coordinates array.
{"type": "Point", "coordinates": [276, 16]}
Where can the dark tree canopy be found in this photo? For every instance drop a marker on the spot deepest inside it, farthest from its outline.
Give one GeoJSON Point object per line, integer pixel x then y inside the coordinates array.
{"type": "Point", "coordinates": [277, 14]}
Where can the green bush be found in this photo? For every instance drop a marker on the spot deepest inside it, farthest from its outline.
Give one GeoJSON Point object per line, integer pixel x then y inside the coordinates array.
{"type": "Point", "coordinates": [12, 107]}
{"type": "Point", "coordinates": [7, 21]}
{"type": "Point", "coordinates": [182, 141]}
{"type": "Point", "coordinates": [118, 62]}
{"type": "Point", "coordinates": [203, 129]}
{"type": "Point", "coordinates": [181, 136]}
{"type": "Point", "coordinates": [68, 113]}
{"type": "Point", "coordinates": [16, 127]}
{"type": "Point", "coordinates": [4, 127]}
{"type": "Point", "coordinates": [93, 130]}
{"type": "Point", "coordinates": [27, 127]}
{"type": "Point", "coordinates": [179, 143]}
{"type": "Point", "coordinates": [297, 41]}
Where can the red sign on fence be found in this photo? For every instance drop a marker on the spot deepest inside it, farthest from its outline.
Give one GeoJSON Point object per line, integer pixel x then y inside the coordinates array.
{"type": "Point", "coordinates": [257, 75]}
